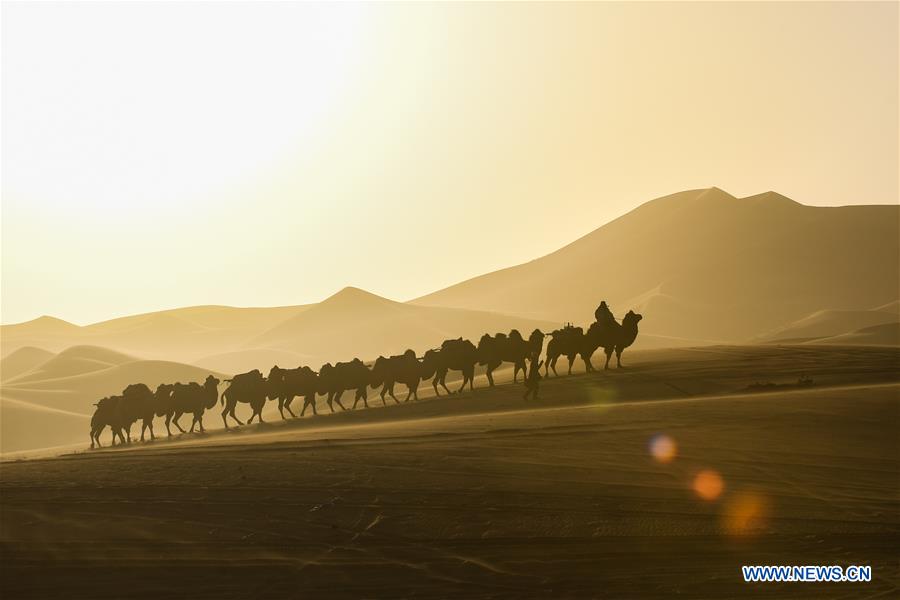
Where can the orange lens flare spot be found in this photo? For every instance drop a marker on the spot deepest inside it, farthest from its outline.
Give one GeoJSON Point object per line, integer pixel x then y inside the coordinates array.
{"type": "Point", "coordinates": [663, 448]}
{"type": "Point", "coordinates": [708, 484]}
{"type": "Point", "coordinates": [745, 514]}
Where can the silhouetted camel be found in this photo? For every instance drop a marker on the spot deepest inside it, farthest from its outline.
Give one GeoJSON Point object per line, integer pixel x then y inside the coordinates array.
{"type": "Point", "coordinates": [107, 414]}
{"type": "Point", "coordinates": [458, 355]}
{"type": "Point", "coordinates": [615, 337]}
{"type": "Point", "coordinates": [404, 368]}
{"type": "Point", "coordinates": [335, 379]}
{"type": "Point", "coordinates": [286, 384]}
{"type": "Point", "coordinates": [249, 388]}
{"type": "Point", "coordinates": [569, 342]}
{"type": "Point", "coordinates": [494, 351]}
{"type": "Point", "coordinates": [165, 405]}
{"type": "Point", "coordinates": [139, 403]}
{"type": "Point", "coordinates": [194, 399]}
{"type": "Point", "coordinates": [572, 342]}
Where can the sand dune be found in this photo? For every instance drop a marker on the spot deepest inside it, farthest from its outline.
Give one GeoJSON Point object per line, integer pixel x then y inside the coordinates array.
{"type": "Point", "coordinates": [354, 322]}
{"type": "Point", "coordinates": [76, 360]}
{"type": "Point", "coordinates": [886, 334]}
{"type": "Point", "coordinates": [22, 360]}
{"type": "Point", "coordinates": [241, 361]}
{"type": "Point", "coordinates": [25, 425]}
{"type": "Point", "coordinates": [486, 496]}
{"type": "Point", "coordinates": [828, 323]}
{"type": "Point", "coordinates": [181, 334]}
{"type": "Point", "coordinates": [46, 405]}
{"type": "Point", "coordinates": [705, 265]}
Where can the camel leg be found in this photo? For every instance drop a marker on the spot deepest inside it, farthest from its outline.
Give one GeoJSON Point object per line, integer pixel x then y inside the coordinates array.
{"type": "Point", "coordinates": [588, 366]}
{"type": "Point", "coordinates": [287, 405]}
{"type": "Point", "coordinates": [391, 392]}
{"type": "Point", "coordinates": [281, 408]}
{"type": "Point", "coordinates": [608, 356]}
{"type": "Point", "coordinates": [571, 360]}
{"type": "Point", "coordinates": [177, 424]}
{"type": "Point", "coordinates": [471, 376]}
{"type": "Point", "coordinates": [169, 420]}
{"type": "Point", "coordinates": [444, 383]}
{"type": "Point", "coordinates": [619, 359]}
{"type": "Point", "coordinates": [143, 427]}
{"type": "Point", "coordinates": [359, 395]}
{"type": "Point", "coordinates": [490, 375]}
{"type": "Point", "coordinates": [224, 420]}
{"type": "Point", "coordinates": [312, 402]}
{"type": "Point", "coordinates": [200, 422]}
{"type": "Point", "coordinates": [337, 398]}
{"type": "Point", "coordinates": [383, 393]}
{"type": "Point", "coordinates": [234, 416]}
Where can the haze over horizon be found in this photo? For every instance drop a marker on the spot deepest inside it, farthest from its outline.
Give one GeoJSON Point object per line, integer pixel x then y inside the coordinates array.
{"type": "Point", "coordinates": [404, 148]}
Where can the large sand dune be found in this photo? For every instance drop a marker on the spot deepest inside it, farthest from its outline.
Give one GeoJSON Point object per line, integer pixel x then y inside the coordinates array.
{"type": "Point", "coordinates": [705, 265]}
{"type": "Point", "coordinates": [354, 322]}
{"type": "Point", "coordinates": [482, 495]}
{"type": "Point", "coordinates": [50, 405]}
{"type": "Point", "coordinates": [22, 360]}
{"type": "Point", "coordinates": [181, 334]}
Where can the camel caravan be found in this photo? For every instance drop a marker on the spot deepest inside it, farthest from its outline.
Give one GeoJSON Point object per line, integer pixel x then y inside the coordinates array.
{"type": "Point", "coordinates": [172, 401]}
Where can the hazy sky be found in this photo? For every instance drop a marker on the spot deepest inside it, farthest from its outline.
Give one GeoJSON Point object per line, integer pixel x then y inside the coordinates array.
{"type": "Point", "coordinates": [157, 155]}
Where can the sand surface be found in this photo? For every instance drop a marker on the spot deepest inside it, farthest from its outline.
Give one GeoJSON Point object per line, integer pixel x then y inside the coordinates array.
{"type": "Point", "coordinates": [485, 496]}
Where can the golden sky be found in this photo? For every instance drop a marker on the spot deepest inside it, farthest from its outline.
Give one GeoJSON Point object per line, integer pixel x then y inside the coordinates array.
{"type": "Point", "coordinates": [157, 155]}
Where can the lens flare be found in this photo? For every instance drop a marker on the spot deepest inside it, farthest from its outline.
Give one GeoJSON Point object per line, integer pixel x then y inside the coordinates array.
{"type": "Point", "coordinates": [663, 448]}
{"type": "Point", "coordinates": [745, 514]}
{"type": "Point", "coordinates": [708, 484]}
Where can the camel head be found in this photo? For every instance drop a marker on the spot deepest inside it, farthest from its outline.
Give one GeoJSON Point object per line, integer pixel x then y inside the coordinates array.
{"type": "Point", "coordinates": [631, 319]}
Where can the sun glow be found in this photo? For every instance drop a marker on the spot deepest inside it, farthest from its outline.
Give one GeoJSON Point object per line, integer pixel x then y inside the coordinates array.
{"type": "Point", "coordinates": [172, 104]}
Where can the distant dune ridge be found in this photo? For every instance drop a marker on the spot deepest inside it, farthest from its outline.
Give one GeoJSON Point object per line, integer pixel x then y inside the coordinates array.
{"type": "Point", "coordinates": [354, 322]}
{"type": "Point", "coordinates": [702, 266]}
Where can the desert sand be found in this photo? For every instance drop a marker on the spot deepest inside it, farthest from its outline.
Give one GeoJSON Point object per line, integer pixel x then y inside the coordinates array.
{"type": "Point", "coordinates": [483, 495]}
{"type": "Point", "coordinates": [707, 266]}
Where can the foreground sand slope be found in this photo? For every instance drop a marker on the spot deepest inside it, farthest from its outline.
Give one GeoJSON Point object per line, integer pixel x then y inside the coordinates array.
{"type": "Point", "coordinates": [558, 499]}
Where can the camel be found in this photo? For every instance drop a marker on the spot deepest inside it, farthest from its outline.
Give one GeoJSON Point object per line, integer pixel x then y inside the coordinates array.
{"type": "Point", "coordinates": [569, 342]}
{"type": "Point", "coordinates": [458, 355]}
{"type": "Point", "coordinates": [195, 399]}
{"type": "Point", "coordinates": [249, 388]}
{"type": "Point", "coordinates": [572, 342]}
{"type": "Point", "coordinates": [139, 403]}
{"type": "Point", "coordinates": [404, 368]}
{"type": "Point", "coordinates": [165, 405]}
{"type": "Point", "coordinates": [335, 379]}
{"type": "Point", "coordinates": [107, 414]}
{"type": "Point", "coordinates": [618, 337]}
{"type": "Point", "coordinates": [494, 351]}
{"type": "Point", "coordinates": [286, 384]}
